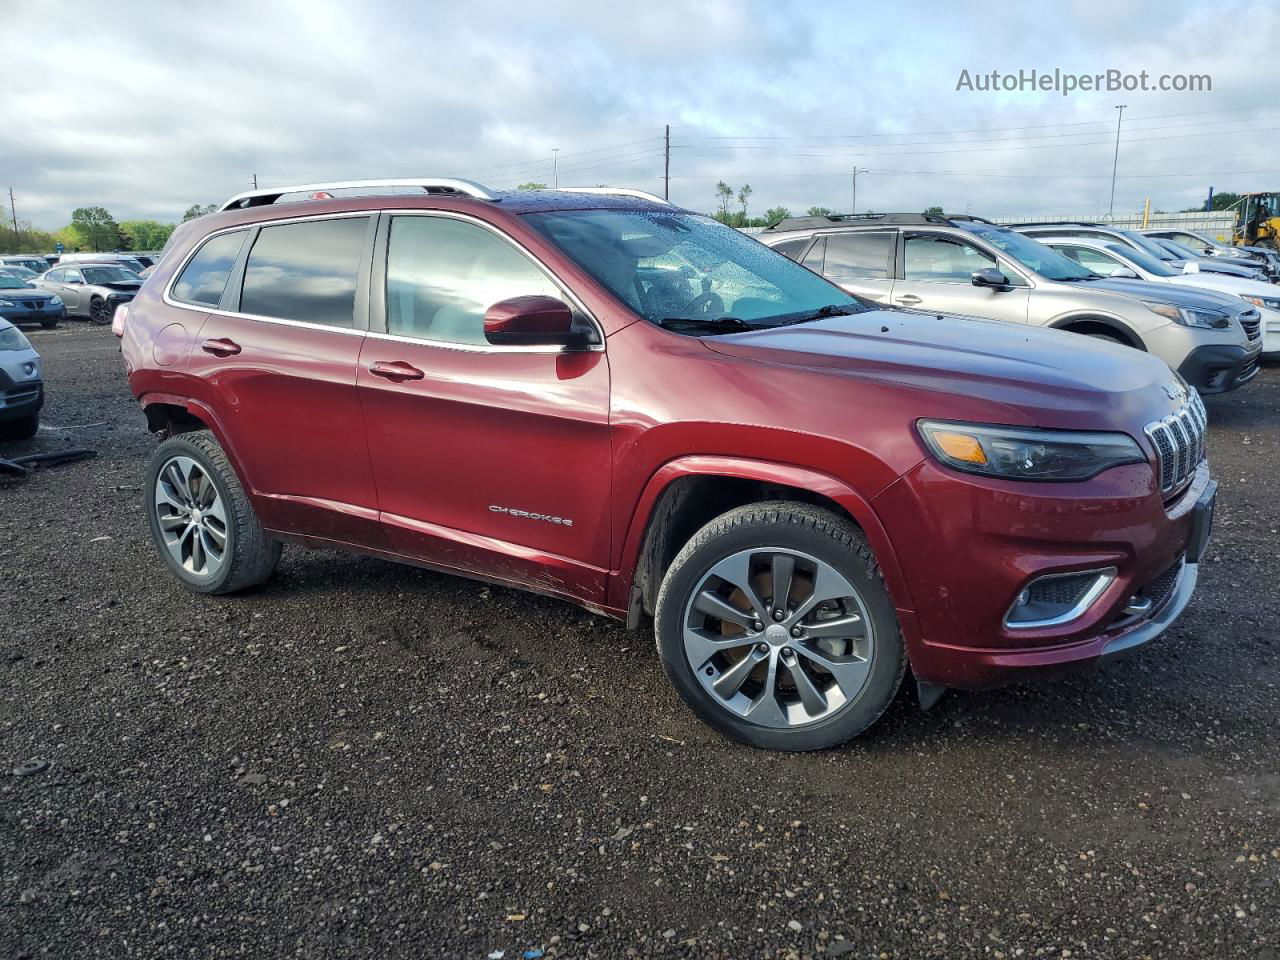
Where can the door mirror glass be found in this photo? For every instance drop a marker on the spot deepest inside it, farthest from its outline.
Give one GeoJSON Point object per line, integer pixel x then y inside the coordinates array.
{"type": "Point", "coordinates": [988, 277]}
{"type": "Point", "coordinates": [530, 321]}
{"type": "Point", "coordinates": [1123, 273]}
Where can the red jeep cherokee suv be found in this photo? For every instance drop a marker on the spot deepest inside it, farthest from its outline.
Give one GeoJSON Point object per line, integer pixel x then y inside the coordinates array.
{"type": "Point", "coordinates": [605, 398]}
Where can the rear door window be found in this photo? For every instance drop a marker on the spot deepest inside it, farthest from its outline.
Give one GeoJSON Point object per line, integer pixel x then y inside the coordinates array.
{"type": "Point", "coordinates": [306, 271]}
{"type": "Point", "coordinates": [791, 248]}
{"type": "Point", "coordinates": [863, 256]}
{"type": "Point", "coordinates": [205, 275]}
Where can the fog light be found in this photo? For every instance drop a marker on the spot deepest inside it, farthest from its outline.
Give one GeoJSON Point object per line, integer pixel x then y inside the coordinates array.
{"type": "Point", "coordinates": [29, 369]}
{"type": "Point", "coordinates": [1057, 598]}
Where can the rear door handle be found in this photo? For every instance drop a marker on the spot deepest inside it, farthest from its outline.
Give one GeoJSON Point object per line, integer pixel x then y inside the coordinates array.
{"type": "Point", "coordinates": [909, 299]}
{"type": "Point", "coordinates": [221, 347]}
{"type": "Point", "coordinates": [396, 371]}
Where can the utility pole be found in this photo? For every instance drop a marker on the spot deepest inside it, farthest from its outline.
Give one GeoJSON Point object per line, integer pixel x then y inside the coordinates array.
{"type": "Point", "coordinates": [555, 167]}
{"type": "Point", "coordinates": [853, 206]}
{"type": "Point", "coordinates": [1116, 161]}
{"type": "Point", "coordinates": [14, 210]}
{"type": "Point", "coordinates": [666, 167]}
{"type": "Point", "coordinates": [255, 181]}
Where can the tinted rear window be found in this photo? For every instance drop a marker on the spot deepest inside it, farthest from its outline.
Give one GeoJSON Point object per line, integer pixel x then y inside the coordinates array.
{"type": "Point", "coordinates": [205, 275]}
{"type": "Point", "coordinates": [859, 255]}
{"type": "Point", "coordinates": [791, 248]}
{"type": "Point", "coordinates": [305, 271]}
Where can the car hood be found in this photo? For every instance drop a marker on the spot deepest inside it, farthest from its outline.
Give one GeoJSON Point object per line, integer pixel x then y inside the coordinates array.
{"type": "Point", "coordinates": [1226, 284]}
{"type": "Point", "coordinates": [1212, 265]}
{"type": "Point", "coordinates": [1050, 377]}
{"type": "Point", "coordinates": [1178, 295]}
{"type": "Point", "coordinates": [25, 293]}
{"type": "Point", "coordinates": [126, 286]}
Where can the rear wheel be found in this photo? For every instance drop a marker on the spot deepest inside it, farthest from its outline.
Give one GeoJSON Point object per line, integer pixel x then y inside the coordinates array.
{"type": "Point", "coordinates": [203, 524]}
{"type": "Point", "coordinates": [98, 312]}
{"type": "Point", "coordinates": [24, 428]}
{"type": "Point", "coordinates": [774, 625]}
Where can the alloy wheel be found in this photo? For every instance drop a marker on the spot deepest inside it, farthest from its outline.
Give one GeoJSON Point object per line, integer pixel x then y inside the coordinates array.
{"type": "Point", "coordinates": [192, 517]}
{"type": "Point", "coordinates": [778, 637]}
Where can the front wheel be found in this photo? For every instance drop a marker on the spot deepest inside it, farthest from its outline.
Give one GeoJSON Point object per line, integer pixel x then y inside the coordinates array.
{"type": "Point", "coordinates": [48, 324]}
{"type": "Point", "coordinates": [203, 524]}
{"type": "Point", "coordinates": [775, 627]}
{"type": "Point", "coordinates": [99, 312]}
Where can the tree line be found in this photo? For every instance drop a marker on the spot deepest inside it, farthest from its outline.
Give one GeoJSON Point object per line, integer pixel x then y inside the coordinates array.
{"type": "Point", "coordinates": [94, 230]}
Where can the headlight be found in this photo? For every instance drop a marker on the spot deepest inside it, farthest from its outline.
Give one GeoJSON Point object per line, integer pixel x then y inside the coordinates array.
{"type": "Point", "coordinates": [11, 338]}
{"type": "Point", "coordinates": [7, 303]}
{"type": "Point", "coordinates": [1187, 316]}
{"type": "Point", "coordinates": [1018, 453]}
{"type": "Point", "coordinates": [56, 301]}
{"type": "Point", "coordinates": [1271, 303]}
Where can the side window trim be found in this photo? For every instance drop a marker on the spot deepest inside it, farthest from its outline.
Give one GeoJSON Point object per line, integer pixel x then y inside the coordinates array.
{"type": "Point", "coordinates": [230, 302]}
{"type": "Point", "coordinates": [377, 298]}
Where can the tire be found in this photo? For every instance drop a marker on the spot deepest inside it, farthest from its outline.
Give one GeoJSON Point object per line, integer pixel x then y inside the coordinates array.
{"type": "Point", "coordinates": [48, 324]}
{"type": "Point", "coordinates": [1107, 338]}
{"type": "Point", "coordinates": [24, 428]}
{"type": "Point", "coordinates": [706, 657]}
{"type": "Point", "coordinates": [98, 312]}
{"type": "Point", "coordinates": [187, 516]}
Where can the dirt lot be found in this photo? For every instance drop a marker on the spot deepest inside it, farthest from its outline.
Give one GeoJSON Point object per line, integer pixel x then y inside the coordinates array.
{"type": "Point", "coordinates": [362, 759]}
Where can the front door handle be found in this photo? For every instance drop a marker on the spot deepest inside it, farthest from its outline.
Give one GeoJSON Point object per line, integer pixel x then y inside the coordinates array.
{"type": "Point", "coordinates": [221, 347]}
{"type": "Point", "coordinates": [396, 371]}
{"type": "Point", "coordinates": [909, 299]}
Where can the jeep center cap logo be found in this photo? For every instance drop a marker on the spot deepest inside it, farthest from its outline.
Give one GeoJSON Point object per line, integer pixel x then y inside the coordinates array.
{"type": "Point", "coordinates": [1173, 391]}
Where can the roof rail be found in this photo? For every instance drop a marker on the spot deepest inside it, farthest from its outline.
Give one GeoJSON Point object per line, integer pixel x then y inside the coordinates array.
{"type": "Point", "coordinates": [1059, 223]}
{"type": "Point", "coordinates": [834, 219]}
{"type": "Point", "coordinates": [616, 192]}
{"type": "Point", "coordinates": [446, 185]}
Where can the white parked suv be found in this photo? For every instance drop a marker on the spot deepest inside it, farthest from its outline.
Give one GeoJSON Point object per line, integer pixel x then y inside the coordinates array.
{"type": "Point", "coordinates": [1118, 260]}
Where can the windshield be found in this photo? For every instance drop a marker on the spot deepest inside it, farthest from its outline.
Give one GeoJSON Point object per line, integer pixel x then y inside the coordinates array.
{"type": "Point", "coordinates": [1143, 260]}
{"type": "Point", "coordinates": [1144, 242]}
{"type": "Point", "coordinates": [110, 275]}
{"type": "Point", "coordinates": [685, 267]}
{"type": "Point", "coordinates": [9, 281]}
{"type": "Point", "coordinates": [1032, 254]}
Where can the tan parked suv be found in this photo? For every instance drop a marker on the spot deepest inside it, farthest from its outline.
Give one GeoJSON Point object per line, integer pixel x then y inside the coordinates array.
{"type": "Point", "coordinates": [967, 265]}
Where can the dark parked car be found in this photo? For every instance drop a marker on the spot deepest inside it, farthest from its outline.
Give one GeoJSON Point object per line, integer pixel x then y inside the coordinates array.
{"type": "Point", "coordinates": [23, 302]}
{"type": "Point", "coordinates": [611, 400]}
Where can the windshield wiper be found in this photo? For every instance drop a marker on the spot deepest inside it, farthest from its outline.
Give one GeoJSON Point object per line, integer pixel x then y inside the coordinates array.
{"type": "Point", "coordinates": [830, 310]}
{"type": "Point", "coordinates": [704, 324]}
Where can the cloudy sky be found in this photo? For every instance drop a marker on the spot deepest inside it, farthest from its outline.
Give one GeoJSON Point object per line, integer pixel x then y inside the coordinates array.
{"type": "Point", "coordinates": [146, 109]}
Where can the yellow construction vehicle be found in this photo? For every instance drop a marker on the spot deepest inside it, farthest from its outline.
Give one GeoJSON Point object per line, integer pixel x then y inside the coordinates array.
{"type": "Point", "coordinates": [1257, 220]}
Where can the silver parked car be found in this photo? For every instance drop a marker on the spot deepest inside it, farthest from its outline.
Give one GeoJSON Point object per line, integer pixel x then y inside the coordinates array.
{"type": "Point", "coordinates": [21, 385]}
{"type": "Point", "coordinates": [971, 266]}
{"type": "Point", "coordinates": [91, 290]}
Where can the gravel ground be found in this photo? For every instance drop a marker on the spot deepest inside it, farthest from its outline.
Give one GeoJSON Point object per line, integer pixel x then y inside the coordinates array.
{"type": "Point", "coordinates": [362, 759]}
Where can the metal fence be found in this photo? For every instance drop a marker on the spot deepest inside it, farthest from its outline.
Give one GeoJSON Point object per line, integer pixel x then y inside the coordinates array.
{"type": "Point", "coordinates": [1217, 225]}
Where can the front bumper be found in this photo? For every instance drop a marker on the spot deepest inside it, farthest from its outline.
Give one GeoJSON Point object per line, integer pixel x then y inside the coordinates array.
{"type": "Point", "coordinates": [41, 314]}
{"type": "Point", "coordinates": [1219, 367]}
{"type": "Point", "coordinates": [967, 547]}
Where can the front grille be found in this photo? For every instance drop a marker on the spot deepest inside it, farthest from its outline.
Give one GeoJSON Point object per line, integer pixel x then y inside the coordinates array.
{"type": "Point", "coordinates": [1251, 320]}
{"type": "Point", "coordinates": [1179, 443]}
{"type": "Point", "coordinates": [30, 304]}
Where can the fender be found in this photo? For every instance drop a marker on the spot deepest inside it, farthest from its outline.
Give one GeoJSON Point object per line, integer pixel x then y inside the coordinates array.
{"type": "Point", "coordinates": [206, 414]}
{"type": "Point", "coordinates": [763, 471]}
{"type": "Point", "coordinates": [1100, 317]}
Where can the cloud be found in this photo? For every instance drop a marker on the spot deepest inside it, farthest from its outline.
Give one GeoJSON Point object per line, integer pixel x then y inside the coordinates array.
{"type": "Point", "coordinates": [148, 109]}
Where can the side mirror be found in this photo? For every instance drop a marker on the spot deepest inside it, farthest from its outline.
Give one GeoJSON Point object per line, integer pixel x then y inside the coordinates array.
{"type": "Point", "coordinates": [530, 321]}
{"type": "Point", "coordinates": [989, 277]}
{"type": "Point", "coordinates": [1123, 273]}
{"type": "Point", "coordinates": [1191, 267]}
{"type": "Point", "coordinates": [75, 283]}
